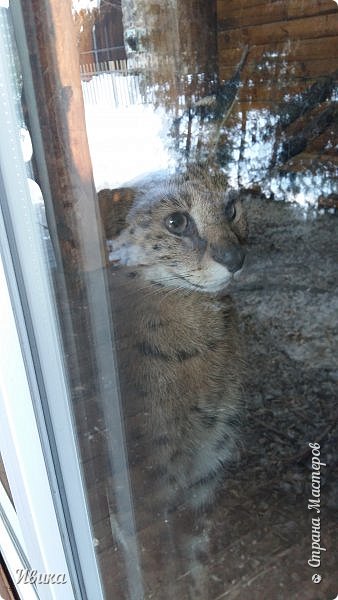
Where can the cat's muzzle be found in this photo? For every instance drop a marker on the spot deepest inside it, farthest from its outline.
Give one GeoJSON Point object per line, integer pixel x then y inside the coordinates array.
{"type": "Point", "coordinates": [232, 258]}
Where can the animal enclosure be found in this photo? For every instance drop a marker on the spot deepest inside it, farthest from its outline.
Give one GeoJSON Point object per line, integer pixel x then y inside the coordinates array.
{"type": "Point", "coordinates": [186, 157]}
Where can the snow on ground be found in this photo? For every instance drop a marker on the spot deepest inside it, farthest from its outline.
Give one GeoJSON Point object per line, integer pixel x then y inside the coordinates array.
{"type": "Point", "coordinates": [125, 140]}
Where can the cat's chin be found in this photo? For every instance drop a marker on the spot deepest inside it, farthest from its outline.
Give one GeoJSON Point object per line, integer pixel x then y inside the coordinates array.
{"type": "Point", "coordinates": [210, 287]}
{"type": "Point", "coordinates": [186, 283]}
{"type": "Point", "coordinates": [217, 288]}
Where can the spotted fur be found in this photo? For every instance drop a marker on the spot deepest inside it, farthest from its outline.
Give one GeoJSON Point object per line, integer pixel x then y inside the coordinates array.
{"type": "Point", "coordinates": [178, 344]}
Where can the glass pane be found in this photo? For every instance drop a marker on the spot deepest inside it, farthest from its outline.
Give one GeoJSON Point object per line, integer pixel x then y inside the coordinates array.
{"type": "Point", "coordinates": [186, 156]}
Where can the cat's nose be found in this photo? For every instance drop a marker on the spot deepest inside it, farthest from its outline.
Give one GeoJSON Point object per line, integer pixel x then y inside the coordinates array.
{"type": "Point", "coordinates": [232, 258]}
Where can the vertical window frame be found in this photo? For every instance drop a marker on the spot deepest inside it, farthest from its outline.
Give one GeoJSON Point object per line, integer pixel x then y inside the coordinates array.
{"type": "Point", "coordinates": [52, 513]}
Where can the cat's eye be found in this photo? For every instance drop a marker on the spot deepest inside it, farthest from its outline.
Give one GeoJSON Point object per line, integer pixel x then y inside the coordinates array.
{"type": "Point", "coordinates": [230, 211]}
{"type": "Point", "coordinates": [177, 223]}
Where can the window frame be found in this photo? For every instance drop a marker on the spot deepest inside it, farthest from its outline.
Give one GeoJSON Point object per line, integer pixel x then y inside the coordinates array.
{"type": "Point", "coordinates": [37, 439]}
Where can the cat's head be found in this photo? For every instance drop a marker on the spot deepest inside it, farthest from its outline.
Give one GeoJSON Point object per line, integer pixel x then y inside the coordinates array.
{"type": "Point", "coordinates": [183, 231]}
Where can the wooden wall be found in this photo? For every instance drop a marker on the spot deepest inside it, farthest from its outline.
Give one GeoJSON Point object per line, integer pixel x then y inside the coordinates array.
{"type": "Point", "coordinates": [293, 44]}
{"type": "Point", "coordinates": [182, 49]}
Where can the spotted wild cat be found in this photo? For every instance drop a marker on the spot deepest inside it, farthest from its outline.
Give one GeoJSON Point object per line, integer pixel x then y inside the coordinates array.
{"type": "Point", "coordinates": [175, 244]}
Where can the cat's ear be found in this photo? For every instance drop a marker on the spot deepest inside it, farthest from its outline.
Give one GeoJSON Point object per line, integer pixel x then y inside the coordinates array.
{"type": "Point", "coordinates": [114, 206]}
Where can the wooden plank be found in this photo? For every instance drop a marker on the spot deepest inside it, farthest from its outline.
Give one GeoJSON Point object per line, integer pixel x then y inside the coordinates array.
{"type": "Point", "coordinates": [310, 161]}
{"type": "Point", "coordinates": [71, 199]}
{"type": "Point", "coordinates": [296, 50]}
{"type": "Point", "coordinates": [277, 92]}
{"type": "Point", "coordinates": [294, 7]}
{"type": "Point", "coordinates": [244, 105]}
{"type": "Point", "coordinates": [252, 15]}
{"type": "Point", "coordinates": [281, 31]}
{"type": "Point", "coordinates": [302, 123]}
{"type": "Point", "coordinates": [311, 156]}
{"type": "Point", "coordinates": [305, 8]}
{"type": "Point", "coordinates": [231, 6]}
{"type": "Point", "coordinates": [274, 93]}
{"type": "Point", "coordinates": [243, 14]}
{"type": "Point", "coordinates": [284, 70]}
{"type": "Point", "coordinates": [276, 86]}
{"type": "Point", "coordinates": [247, 102]}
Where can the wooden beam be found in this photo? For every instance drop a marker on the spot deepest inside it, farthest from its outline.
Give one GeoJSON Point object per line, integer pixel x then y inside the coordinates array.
{"type": "Point", "coordinates": [245, 13]}
{"type": "Point", "coordinates": [55, 70]}
{"type": "Point", "coordinates": [295, 50]}
{"type": "Point", "coordinates": [301, 71]}
{"type": "Point", "coordinates": [280, 31]}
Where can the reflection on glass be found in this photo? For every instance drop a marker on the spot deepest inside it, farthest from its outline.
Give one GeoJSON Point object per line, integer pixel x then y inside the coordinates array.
{"type": "Point", "coordinates": [215, 96]}
{"type": "Point", "coordinates": [278, 138]}
{"type": "Point", "coordinates": [216, 111]}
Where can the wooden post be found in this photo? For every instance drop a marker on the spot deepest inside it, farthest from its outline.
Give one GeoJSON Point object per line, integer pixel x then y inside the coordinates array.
{"type": "Point", "coordinates": [54, 62]}
{"type": "Point", "coordinates": [175, 42]}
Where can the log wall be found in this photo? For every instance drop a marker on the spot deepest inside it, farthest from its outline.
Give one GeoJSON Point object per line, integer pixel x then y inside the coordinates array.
{"type": "Point", "coordinates": [292, 45]}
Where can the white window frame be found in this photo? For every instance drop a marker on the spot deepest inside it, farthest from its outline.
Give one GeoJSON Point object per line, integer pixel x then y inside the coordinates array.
{"type": "Point", "coordinates": [12, 547]}
{"type": "Point", "coordinates": [39, 453]}
{"type": "Point", "coordinates": [25, 467]}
